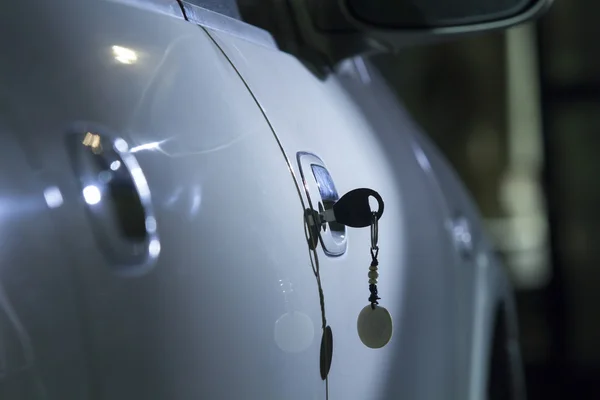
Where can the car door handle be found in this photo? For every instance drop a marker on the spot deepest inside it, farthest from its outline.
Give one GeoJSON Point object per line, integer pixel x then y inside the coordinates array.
{"type": "Point", "coordinates": [462, 237]}
{"type": "Point", "coordinates": [322, 194]}
{"type": "Point", "coordinates": [117, 199]}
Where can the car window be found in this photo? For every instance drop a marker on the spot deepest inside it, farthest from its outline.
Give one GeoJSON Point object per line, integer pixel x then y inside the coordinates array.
{"type": "Point", "coordinates": [225, 7]}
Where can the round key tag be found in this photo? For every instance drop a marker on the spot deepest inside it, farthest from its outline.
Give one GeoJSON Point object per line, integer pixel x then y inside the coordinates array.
{"type": "Point", "coordinates": [374, 326]}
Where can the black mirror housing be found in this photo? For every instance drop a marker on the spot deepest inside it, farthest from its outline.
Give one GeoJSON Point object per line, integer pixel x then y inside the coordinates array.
{"type": "Point", "coordinates": [340, 29]}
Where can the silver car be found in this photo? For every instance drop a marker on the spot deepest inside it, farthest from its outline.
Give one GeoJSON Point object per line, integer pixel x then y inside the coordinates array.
{"type": "Point", "coordinates": [223, 201]}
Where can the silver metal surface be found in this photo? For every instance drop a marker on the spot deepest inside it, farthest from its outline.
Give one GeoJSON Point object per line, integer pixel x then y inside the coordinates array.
{"type": "Point", "coordinates": [375, 232]}
{"type": "Point", "coordinates": [333, 237]}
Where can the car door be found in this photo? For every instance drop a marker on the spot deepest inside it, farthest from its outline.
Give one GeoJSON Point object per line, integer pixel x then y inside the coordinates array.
{"type": "Point", "coordinates": [360, 145]}
{"type": "Point", "coordinates": [181, 223]}
{"type": "Point", "coordinates": [41, 346]}
{"type": "Point", "coordinates": [486, 296]}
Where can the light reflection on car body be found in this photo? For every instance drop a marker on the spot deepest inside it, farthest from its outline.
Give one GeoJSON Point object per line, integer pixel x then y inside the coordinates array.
{"type": "Point", "coordinates": [156, 243]}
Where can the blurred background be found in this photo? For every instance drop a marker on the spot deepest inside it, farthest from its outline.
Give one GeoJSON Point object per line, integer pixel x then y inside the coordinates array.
{"type": "Point", "coordinates": [518, 115]}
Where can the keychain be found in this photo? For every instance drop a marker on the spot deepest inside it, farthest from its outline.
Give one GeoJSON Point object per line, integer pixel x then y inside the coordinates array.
{"type": "Point", "coordinates": [374, 321]}
{"type": "Point", "coordinates": [353, 209]}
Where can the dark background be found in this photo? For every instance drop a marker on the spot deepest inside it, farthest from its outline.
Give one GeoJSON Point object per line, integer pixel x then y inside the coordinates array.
{"type": "Point", "coordinates": [518, 115]}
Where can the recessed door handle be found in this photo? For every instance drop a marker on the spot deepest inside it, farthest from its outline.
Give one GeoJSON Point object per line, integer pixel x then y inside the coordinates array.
{"type": "Point", "coordinates": [117, 199]}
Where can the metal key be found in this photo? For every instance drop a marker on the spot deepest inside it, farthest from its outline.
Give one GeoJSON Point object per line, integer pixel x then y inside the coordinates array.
{"type": "Point", "coordinates": [353, 209]}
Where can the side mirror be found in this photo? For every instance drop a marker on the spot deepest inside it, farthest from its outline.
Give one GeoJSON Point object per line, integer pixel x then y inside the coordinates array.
{"type": "Point", "coordinates": [466, 15]}
{"type": "Point", "coordinates": [339, 29]}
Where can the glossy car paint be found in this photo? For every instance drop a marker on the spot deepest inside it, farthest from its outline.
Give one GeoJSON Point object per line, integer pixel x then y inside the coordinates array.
{"type": "Point", "coordinates": [351, 120]}
{"type": "Point", "coordinates": [230, 308]}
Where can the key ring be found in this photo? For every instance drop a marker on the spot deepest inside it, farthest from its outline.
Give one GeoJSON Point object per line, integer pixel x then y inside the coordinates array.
{"type": "Point", "coordinates": [374, 232]}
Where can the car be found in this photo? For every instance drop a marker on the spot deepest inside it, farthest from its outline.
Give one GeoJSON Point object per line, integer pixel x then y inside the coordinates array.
{"type": "Point", "coordinates": [227, 201]}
